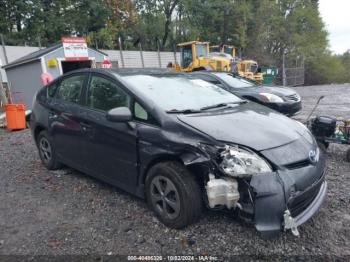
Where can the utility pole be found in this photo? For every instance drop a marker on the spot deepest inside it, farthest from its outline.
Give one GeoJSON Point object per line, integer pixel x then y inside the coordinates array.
{"type": "Point", "coordinates": [141, 55]}
{"type": "Point", "coordinates": [39, 42]}
{"type": "Point", "coordinates": [4, 49]}
{"type": "Point", "coordinates": [121, 51]}
{"type": "Point", "coordinates": [158, 50]}
{"type": "Point", "coordinates": [284, 77]}
{"type": "Point", "coordinates": [3, 98]}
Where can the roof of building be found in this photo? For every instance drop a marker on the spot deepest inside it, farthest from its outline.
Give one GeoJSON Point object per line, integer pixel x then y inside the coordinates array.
{"type": "Point", "coordinates": [37, 55]}
{"type": "Point", "coordinates": [132, 71]}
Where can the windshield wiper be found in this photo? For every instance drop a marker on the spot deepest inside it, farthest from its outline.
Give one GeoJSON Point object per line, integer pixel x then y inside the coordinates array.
{"type": "Point", "coordinates": [184, 111]}
{"type": "Point", "coordinates": [223, 104]}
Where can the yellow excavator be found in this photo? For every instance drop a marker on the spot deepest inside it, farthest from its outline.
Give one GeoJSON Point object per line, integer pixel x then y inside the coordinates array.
{"type": "Point", "coordinates": [245, 68]}
{"type": "Point", "coordinates": [195, 57]}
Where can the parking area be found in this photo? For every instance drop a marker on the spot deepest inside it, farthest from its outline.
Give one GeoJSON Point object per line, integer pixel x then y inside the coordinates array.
{"type": "Point", "coordinates": [65, 212]}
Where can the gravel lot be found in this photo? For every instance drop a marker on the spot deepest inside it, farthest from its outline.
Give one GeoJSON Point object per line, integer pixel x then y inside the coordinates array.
{"type": "Point", "coordinates": [65, 212]}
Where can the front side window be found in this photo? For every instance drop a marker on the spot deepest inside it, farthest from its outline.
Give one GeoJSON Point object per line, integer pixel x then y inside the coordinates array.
{"type": "Point", "coordinates": [105, 94]}
{"type": "Point", "coordinates": [69, 89]}
{"type": "Point", "coordinates": [139, 112]}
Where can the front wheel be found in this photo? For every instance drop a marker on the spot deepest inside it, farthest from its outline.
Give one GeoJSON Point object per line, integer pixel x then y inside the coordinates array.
{"type": "Point", "coordinates": [47, 151]}
{"type": "Point", "coordinates": [173, 194]}
{"type": "Point", "coordinates": [348, 155]}
{"type": "Point", "coordinates": [323, 145]}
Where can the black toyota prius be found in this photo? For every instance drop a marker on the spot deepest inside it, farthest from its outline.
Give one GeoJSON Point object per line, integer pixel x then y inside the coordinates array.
{"type": "Point", "coordinates": [181, 144]}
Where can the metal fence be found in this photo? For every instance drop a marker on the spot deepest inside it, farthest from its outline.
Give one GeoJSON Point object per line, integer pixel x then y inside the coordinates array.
{"type": "Point", "coordinates": [295, 76]}
{"type": "Point", "coordinates": [292, 72]}
{"type": "Point", "coordinates": [119, 58]}
{"type": "Point", "coordinates": [139, 59]}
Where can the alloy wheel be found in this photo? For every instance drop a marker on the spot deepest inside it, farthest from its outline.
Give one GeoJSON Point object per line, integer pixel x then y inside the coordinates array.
{"type": "Point", "coordinates": [45, 149]}
{"type": "Point", "coordinates": [165, 197]}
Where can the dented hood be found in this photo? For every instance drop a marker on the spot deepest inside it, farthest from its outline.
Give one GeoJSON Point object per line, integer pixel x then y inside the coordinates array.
{"type": "Point", "coordinates": [249, 124]}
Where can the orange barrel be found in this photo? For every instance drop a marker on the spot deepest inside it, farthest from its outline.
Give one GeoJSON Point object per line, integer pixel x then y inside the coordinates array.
{"type": "Point", "coordinates": [15, 116]}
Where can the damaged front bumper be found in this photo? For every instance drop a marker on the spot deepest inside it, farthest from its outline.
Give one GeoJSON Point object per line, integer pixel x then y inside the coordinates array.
{"type": "Point", "coordinates": [292, 223]}
{"type": "Point", "coordinates": [286, 199]}
{"type": "Point", "coordinates": [275, 200]}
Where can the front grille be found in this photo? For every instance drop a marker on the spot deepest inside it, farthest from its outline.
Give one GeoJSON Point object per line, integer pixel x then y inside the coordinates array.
{"type": "Point", "coordinates": [294, 97]}
{"type": "Point", "coordinates": [299, 164]}
{"type": "Point", "coordinates": [301, 200]}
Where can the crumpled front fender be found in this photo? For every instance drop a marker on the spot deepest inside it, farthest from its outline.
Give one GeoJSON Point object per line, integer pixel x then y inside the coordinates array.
{"type": "Point", "coordinates": [190, 158]}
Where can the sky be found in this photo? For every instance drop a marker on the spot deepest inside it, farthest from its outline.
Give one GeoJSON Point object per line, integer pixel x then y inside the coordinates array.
{"type": "Point", "coordinates": [336, 16]}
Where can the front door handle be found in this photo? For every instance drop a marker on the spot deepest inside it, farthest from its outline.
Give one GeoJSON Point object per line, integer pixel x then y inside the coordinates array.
{"type": "Point", "coordinates": [52, 115]}
{"type": "Point", "coordinates": [85, 127]}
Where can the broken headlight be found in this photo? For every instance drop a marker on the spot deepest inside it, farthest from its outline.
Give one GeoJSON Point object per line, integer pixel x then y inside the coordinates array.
{"type": "Point", "coordinates": [239, 162]}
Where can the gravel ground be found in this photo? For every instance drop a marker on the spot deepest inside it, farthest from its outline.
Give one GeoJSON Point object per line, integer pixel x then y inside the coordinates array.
{"type": "Point", "coordinates": [65, 212]}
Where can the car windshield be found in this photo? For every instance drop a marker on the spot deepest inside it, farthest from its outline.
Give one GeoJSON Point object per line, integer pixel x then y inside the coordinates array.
{"type": "Point", "coordinates": [235, 82]}
{"type": "Point", "coordinates": [179, 93]}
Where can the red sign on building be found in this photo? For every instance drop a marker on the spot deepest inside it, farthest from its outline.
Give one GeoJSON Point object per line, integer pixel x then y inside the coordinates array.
{"type": "Point", "coordinates": [75, 48]}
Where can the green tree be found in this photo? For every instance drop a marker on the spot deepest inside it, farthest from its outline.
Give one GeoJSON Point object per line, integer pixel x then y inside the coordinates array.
{"type": "Point", "coordinates": [156, 21]}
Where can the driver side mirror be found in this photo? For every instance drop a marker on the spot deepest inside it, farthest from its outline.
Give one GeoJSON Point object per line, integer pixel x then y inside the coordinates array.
{"type": "Point", "coordinates": [119, 114]}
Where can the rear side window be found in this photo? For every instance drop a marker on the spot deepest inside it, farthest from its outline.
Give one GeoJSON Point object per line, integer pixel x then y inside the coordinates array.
{"type": "Point", "coordinates": [105, 94]}
{"type": "Point", "coordinates": [69, 89]}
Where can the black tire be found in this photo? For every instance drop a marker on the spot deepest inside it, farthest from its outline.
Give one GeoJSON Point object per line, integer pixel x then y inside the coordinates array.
{"type": "Point", "coordinates": [323, 145]}
{"type": "Point", "coordinates": [186, 202]}
{"type": "Point", "coordinates": [348, 155]}
{"type": "Point", "coordinates": [48, 156]}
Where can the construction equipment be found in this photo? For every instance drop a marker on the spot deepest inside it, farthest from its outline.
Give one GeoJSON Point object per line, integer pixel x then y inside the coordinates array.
{"type": "Point", "coordinates": [195, 57]}
{"type": "Point", "coordinates": [249, 69]}
{"type": "Point", "coordinates": [227, 49]}
{"type": "Point", "coordinates": [244, 68]}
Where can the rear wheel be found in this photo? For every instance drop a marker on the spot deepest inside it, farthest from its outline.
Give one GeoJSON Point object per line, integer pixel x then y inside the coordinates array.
{"type": "Point", "coordinates": [47, 151]}
{"type": "Point", "coordinates": [173, 194]}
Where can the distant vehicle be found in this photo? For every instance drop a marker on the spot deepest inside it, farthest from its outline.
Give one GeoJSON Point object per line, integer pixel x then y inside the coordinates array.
{"type": "Point", "coordinates": [282, 99]}
{"type": "Point", "coordinates": [218, 54]}
{"type": "Point", "coordinates": [244, 67]}
{"type": "Point", "coordinates": [195, 57]}
{"type": "Point", "coordinates": [181, 143]}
